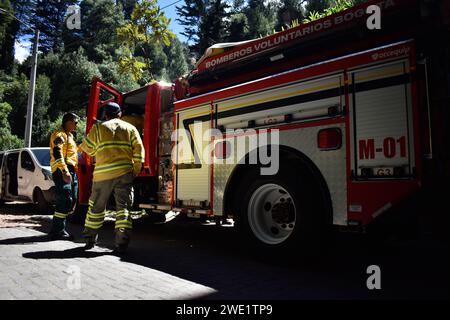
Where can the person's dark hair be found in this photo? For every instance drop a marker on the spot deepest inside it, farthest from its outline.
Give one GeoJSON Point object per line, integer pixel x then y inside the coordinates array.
{"type": "Point", "coordinates": [70, 116]}
{"type": "Point", "coordinates": [112, 110]}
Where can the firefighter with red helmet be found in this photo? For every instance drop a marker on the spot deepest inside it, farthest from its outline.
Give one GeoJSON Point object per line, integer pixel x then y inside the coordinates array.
{"type": "Point", "coordinates": [119, 154]}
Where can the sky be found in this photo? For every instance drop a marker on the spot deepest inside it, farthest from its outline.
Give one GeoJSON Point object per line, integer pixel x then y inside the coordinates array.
{"type": "Point", "coordinates": [22, 47]}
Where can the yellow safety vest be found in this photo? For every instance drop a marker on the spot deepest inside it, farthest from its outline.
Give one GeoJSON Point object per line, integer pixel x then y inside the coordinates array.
{"type": "Point", "coordinates": [63, 150]}
{"type": "Point", "coordinates": [117, 148]}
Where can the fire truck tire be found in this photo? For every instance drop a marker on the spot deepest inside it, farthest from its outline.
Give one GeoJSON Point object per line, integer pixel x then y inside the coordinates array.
{"type": "Point", "coordinates": [44, 207]}
{"type": "Point", "coordinates": [280, 212]}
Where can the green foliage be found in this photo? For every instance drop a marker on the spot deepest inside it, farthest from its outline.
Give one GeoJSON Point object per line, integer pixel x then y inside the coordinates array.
{"type": "Point", "coordinates": [261, 19]}
{"type": "Point", "coordinates": [7, 139]}
{"type": "Point", "coordinates": [49, 17]}
{"type": "Point", "coordinates": [238, 27]}
{"type": "Point", "coordinates": [312, 16]}
{"type": "Point", "coordinates": [177, 65]}
{"type": "Point", "coordinates": [127, 7]}
{"type": "Point", "coordinates": [16, 94]}
{"type": "Point", "coordinates": [289, 13]}
{"type": "Point", "coordinates": [72, 82]}
{"type": "Point", "coordinates": [99, 19]}
{"type": "Point", "coordinates": [8, 31]}
{"type": "Point", "coordinates": [148, 26]}
{"type": "Point", "coordinates": [206, 23]}
{"type": "Point", "coordinates": [109, 71]}
{"type": "Point", "coordinates": [317, 6]}
{"type": "Point", "coordinates": [338, 6]}
{"type": "Point", "coordinates": [41, 107]}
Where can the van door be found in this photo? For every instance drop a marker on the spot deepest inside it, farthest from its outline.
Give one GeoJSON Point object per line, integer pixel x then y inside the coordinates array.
{"type": "Point", "coordinates": [11, 185]}
{"type": "Point", "coordinates": [26, 175]}
{"type": "Point", "coordinates": [2, 176]}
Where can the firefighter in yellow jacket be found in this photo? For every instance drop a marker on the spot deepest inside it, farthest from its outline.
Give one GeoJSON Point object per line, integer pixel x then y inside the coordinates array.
{"type": "Point", "coordinates": [64, 159]}
{"type": "Point", "coordinates": [119, 154]}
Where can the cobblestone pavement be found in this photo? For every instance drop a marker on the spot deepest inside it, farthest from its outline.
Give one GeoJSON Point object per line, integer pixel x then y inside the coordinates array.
{"type": "Point", "coordinates": [60, 270]}
{"type": "Point", "coordinates": [186, 260]}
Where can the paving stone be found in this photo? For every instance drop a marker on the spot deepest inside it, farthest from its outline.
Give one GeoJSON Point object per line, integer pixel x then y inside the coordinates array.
{"type": "Point", "coordinates": [40, 271]}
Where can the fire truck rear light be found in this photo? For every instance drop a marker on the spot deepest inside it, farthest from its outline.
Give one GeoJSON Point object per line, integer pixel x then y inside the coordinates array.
{"type": "Point", "coordinates": [329, 139]}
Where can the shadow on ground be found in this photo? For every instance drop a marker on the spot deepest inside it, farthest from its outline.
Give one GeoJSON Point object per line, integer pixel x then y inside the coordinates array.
{"type": "Point", "coordinates": [78, 252]}
{"type": "Point", "coordinates": [214, 256]}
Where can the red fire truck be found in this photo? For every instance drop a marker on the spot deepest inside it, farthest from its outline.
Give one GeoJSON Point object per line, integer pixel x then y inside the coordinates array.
{"type": "Point", "coordinates": [326, 124]}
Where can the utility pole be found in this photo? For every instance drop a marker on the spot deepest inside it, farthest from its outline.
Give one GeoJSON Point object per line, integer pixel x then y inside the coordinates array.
{"type": "Point", "coordinates": [29, 122]}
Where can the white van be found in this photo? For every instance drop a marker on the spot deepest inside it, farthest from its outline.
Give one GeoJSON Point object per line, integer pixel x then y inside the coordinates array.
{"type": "Point", "coordinates": [26, 176]}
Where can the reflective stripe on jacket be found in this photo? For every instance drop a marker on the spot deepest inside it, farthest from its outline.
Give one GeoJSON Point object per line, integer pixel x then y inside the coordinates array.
{"type": "Point", "coordinates": [117, 148]}
{"type": "Point", "coordinates": [63, 150]}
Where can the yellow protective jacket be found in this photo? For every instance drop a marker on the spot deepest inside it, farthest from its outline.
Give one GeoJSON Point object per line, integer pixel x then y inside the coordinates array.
{"type": "Point", "coordinates": [117, 148]}
{"type": "Point", "coordinates": [63, 150]}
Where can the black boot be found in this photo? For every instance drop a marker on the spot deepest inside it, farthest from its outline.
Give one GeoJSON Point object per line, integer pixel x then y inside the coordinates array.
{"type": "Point", "coordinates": [90, 240]}
{"type": "Point", "coordinates": [122, 240]}
{"type": "Point", "coordinates": [58, 231]}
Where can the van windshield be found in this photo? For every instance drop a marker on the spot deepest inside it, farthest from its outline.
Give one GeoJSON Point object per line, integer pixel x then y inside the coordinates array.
{"type": "Point", "coordinates": [43, 156]}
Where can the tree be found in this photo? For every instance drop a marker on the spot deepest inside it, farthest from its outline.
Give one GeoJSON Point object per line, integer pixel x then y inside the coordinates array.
{"type": "Point", "coordinates": [40, 112]}
{"type": "Point", "coordinates": [317, 6]}
{"type": "Point", "coordinates": [22, 10]}
{"type": "Point", "coordinates": [95, 36]}
{"type": "Point", "coordinates": [109, 71]}
{"type": "Point", "coordinates": [49, 19]}
{"type": "Point", "coordinates": [127, 7]}
{"type": "Point", "coordinates": [71, 83]}
{"type": "Point", "coordinates": [205, 22]}
{"type": "Point", "coordinates": [177, 65]}
{"type": "Point", "coordinates": [239, 28]}
{"type": "Point", "coordinates": [337, 6]}
{"type": "Point", "coordinates": [289, 11]}
{"type": "Point", "coordinates": [191, 13]}
{"type": "Point", "coordinates": [7, 139]}
{"type": "Point", "coordinates": [261, 18]}
{"type": "Point", "coordinates": [16, 94]}
{"type": "Point", "coordinates": [148, 25]}
{"type": "Point", "coordinates": [9, 27]}
{"type": "Point", "coordinates": [215, 26]}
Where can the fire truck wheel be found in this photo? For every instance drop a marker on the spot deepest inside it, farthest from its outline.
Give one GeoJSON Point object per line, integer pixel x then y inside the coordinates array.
{"type": "Point", "coordinates": [278, 211]}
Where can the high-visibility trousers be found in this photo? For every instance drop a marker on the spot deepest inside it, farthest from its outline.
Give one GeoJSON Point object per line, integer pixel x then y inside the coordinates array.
{"type": "Point", "coordinates": [101, 192]}
{"type": "Point", "coordinates": [66, 197]}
